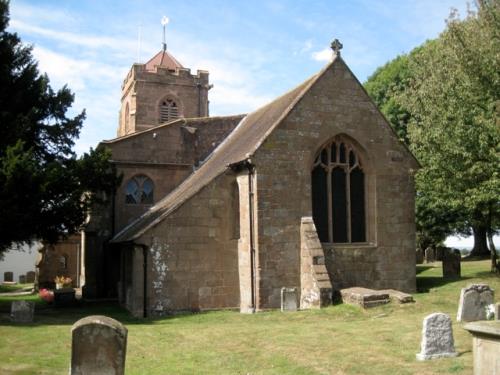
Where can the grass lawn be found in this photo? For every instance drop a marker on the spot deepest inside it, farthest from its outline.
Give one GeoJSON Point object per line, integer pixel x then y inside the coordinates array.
{"type": "Point", "coordinates": [337, 340]}
{"type": "Point", "coordinates": [7, 288]}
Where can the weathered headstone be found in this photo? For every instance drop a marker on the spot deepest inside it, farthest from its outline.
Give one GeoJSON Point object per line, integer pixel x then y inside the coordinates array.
{"type": "Point", "coordinates": [429, 255]}
{"type": "Point", "coordinates": [8, 276]}
{"type": "Point", "coordinates": [473, 302]}
{"type": "Point", "coordinates": [30, 277]}
{"type": "Point", "coordinates": [451, 265]}
{"type": "Point", "coordinates": [99, 346]}
{"type": "Point", "coordinates": [497, 311]}
{"type": "Point", "coordinates": [437, 338]}
{"type": "Point", "coordinates": [419, 256]}
{"type": "Point", "coordinates": [289, 299]}
{"type": "Point", "coordinates": [22, 311]}
{"type": "Point", "coordinates": [22, 279]}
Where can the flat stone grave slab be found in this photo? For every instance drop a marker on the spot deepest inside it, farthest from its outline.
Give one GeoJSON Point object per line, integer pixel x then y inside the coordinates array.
{"type": "Point", "coordinates": [398, 296]}
{"type": "Point", "coordinates": [364, 297]}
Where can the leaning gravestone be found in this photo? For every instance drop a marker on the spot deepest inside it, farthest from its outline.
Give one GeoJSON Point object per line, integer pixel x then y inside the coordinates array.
{"type": "Point", "coordinates": [289, 299]}
{"type": "Point", "coordinates": [451, 264]}
{"type": "Point", "coordinates": [99, 346]}
{"type": "Point", "coordinates": [30, 277]}
{"type": "Point", "coordinates": [473, 302]}
{"type": "Point", "coordinates": [429, 255]}
{"type": "Point", "coordinates": [22, 311]}
{"type": "Point", "coordinates": [437, 338]}
{"type": "Point", "coordinates": [8, 276]}
{"type": "Point", "coordinates": [419, 256]}
{"type": "Point", "coordinates": [22, 279]}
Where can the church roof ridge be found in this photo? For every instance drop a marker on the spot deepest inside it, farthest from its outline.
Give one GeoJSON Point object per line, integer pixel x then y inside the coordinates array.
{"type": "Point", "coordinates": [186, 121]}
{"type": "Point", "coordinates": [163, 59]}
{"type": "Point", "coordinates": [240, 144]}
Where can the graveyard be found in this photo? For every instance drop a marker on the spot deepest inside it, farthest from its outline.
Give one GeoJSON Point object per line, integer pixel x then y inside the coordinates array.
{"type": "Point", "coordinates": [340, 339]}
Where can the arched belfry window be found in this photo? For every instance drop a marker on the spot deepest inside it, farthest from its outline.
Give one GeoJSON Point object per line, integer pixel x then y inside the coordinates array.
{"type": "Point", "coordinates": [338, 193]}
{"type": "Point", "coordinates": [139, 190]}
{"type": "Point", "coordinates": [168, 110]}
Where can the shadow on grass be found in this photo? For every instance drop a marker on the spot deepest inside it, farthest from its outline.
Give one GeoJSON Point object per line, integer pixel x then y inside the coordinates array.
{"type": "Point", "coordinates": [421, 268]}
{"type": "Point", "coordinates": [425, 284]}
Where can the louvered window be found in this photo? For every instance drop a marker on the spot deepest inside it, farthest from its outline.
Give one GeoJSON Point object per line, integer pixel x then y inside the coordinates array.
{"type": "Point", "coordinates": [168, 111]}
{"type": "Point", "coordinates": [338, 194]}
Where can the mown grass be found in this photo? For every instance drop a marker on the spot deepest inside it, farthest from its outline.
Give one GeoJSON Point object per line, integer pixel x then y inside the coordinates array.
{"type": "Point", "coordinates": [340, 339]}
{"type": "Point", "coordinates": [8, 288]}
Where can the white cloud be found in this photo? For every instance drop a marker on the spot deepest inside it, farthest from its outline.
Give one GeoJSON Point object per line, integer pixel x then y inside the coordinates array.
{"type": "Point", "coordinates": [323, 55]}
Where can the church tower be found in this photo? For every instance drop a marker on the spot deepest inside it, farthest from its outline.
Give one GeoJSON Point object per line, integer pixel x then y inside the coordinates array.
{"type": "Point", "coordinates": [159, 91]}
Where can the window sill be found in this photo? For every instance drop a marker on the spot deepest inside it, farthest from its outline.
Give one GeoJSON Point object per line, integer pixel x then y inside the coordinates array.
{"type": "Point", "coordinates": [353, 245]}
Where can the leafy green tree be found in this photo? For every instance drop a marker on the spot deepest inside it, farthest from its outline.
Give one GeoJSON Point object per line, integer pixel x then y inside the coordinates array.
{"type": "Point", "coordinates": [45, 191]}
{"type": "Point", "coordinates": [453, 101]}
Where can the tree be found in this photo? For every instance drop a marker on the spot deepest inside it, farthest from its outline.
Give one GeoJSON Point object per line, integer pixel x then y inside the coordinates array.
{"type": "Point", "coordinates": [453, 101]}
{"type": "Point", "coordinates": [45, 191]}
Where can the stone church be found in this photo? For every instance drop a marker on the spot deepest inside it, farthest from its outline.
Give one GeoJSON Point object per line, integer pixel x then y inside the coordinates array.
{"type": "Point", "coordinates": [313, 190]}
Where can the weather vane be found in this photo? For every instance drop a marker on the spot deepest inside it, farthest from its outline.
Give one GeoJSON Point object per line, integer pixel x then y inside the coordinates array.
{"type": "Point", "coordinates": [164, 22]}
{"type": "Point", "coordinates": [336, 46]}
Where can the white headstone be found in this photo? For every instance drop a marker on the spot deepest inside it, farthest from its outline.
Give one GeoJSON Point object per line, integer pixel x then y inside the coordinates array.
{"type": "Point", "coordinates": [437, 338]}
{"type": "Point", "coordinates": [289, 299]}
{"type": "Point", "coordinates": [473, 302]}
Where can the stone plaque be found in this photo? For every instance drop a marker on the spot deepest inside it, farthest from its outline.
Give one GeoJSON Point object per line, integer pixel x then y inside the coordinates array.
{"type": "Point", "coordinates": [419, 256]}
{"type": "Point", "coordinates": [8, 276]}
{"type": "Point", "coordinates": [99, 346]}
{"type": "Point", "coordinates": [289, 299]}
{"type": "Point", "coordinates": [429, 255]}
{"type": "Point", "coordinates": [22, 279]}
{"type": "Point", "coordinates": [473, 302]}
{"type": "Point", "coordinates": [437, 338]}
{"type": "Point", "coordinates": [30, 277]}
{"type": "Point", "coordinates": [22, 311]}
{"type": "Point", "coordinates": [451, 265]}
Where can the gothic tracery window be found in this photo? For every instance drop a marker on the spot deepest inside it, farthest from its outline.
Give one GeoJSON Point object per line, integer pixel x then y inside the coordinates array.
{"type": "Point", "coordinates": [168, 110]}
{"type": "Point", "coordinates": [338, 194]}
{"type": "Point", "coordinates": [139, 190]}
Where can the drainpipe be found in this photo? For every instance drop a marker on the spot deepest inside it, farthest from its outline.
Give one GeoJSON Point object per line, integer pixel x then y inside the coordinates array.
{"type": "Point", "coordinates": [251, 208]}
{"type": "Point", "coordinates": [145, 280]}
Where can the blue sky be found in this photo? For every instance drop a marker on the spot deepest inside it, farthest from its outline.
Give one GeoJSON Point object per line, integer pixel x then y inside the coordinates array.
{"type": "Point", "coordinates": [254, 50]}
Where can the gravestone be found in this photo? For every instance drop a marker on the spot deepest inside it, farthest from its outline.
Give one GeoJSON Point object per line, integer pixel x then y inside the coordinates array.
{"type": "Point", "coordinates": [451, 265]}
{"type": "Point", "coordinates": [419, 256]}
{"type": "Point", "coordinates": [99, 346]}
{"type": "Point", "coordinates": [289, 299]}
{"type": "Point", "coordinates": [30, 277]}
{"type": "Point", "coordinates": [22, 279]}
{"type": "Point", "coordinates": [439, 252]}
{"type": "Point", "coordinates": [429, 255]}
{"type": "Point", "coordinates": [22, 311]}
{"type": "Point", "coordinates": [437, 338]}
{"type": "Point", "coordinates": [497, 311]}
{"type": "Point", "coordinates": [473, 302]}
{"type": "Point", "coordinates": [8, 276]}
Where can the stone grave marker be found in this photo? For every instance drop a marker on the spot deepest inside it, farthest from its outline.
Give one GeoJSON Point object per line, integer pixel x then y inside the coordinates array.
{"type": "Point", "coordinates": [99, 346]}
{"type": "Point", "coordinates": [30, 277]}
{"type": "Point", "coordinates": [473, 302]}
{"type": "Point", "coordinates": [419, 256]}
{"type": "Point", "coordinates": [22, 279]}
{"type": "Point", "coordinates": [289, 299]}
{"type": "Point", "coordinates": [439, 253]}
{"type": "Point", "coordinates": [497, 311]}
{"type": "Point", "coordinates": [8, 276]}
{"type": "Point", "coordinates": [429, 255]}
{"type": "Point", "coordinates": [451, 265]}
{"type": "Point", "coordinates": [22, 311]}
{"type": "Point", "coordinates": [437, 338]}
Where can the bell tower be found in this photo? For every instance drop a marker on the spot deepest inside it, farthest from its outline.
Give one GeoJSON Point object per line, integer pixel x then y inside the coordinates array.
{"type": "Point", "coordinates": [159, 91]}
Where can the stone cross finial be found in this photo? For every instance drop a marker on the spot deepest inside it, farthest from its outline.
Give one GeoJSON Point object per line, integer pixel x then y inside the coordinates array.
{"type": "Point", "coordinates": [336, 46]}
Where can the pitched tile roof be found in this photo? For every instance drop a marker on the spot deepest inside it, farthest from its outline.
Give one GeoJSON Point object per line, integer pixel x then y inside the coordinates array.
{"type": "Point", "coordinates": [163, 59]}
{"type": "Point", "coordinates": [238, 146]}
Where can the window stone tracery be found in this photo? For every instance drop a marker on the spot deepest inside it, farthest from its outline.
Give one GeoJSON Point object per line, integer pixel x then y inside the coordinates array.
{"type": "Point", "coordinates": [139, 190]}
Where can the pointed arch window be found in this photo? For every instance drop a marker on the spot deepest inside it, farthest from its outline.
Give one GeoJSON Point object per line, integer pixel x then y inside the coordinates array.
{"type": "Point", "coordinates": [139, 190]}
{"type": "Point", "coordinates": [169, 110]}
{"type": "Point", "coordinates": [338, 194]}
